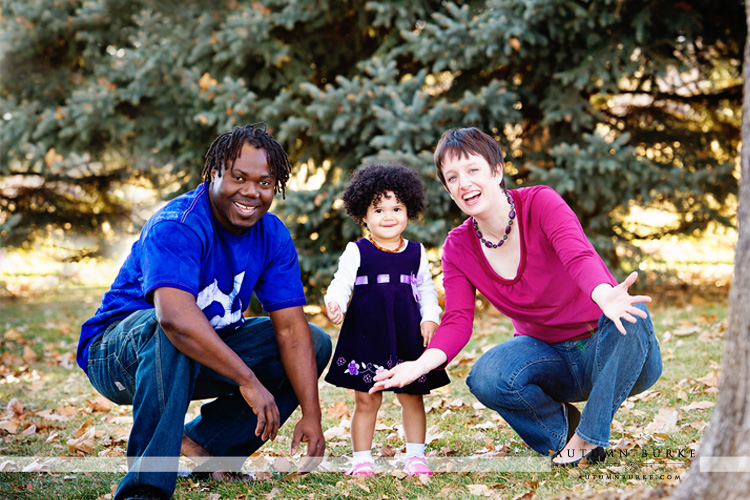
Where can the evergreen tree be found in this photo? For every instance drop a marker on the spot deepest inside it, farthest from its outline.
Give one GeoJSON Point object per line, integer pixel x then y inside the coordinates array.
{"type": "Point", "coordinates": [609, 102]}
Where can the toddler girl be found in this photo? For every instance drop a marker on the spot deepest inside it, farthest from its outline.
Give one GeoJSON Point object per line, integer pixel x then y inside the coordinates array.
{"type": "Point", "coordinates": [393, 311]}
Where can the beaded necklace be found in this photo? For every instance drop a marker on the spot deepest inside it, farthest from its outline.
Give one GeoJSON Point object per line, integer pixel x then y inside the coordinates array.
{"type": "Point", "coordinates": [511, 217]}
{"type": "Point", "coordinates": [400, 244]}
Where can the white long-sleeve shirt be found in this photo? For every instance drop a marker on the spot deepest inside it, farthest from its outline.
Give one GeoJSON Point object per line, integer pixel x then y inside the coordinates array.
{"type": "Point", "coordinates": [340, 289]}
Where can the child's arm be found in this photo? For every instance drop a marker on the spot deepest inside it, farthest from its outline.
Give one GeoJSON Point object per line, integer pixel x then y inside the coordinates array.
{"type": "Point", "coordinates": [340, 290]}
{"type": "Point", "coordinates": [333, 310]}
{"type": "Point", "coordinates": [428, 329]}
{"type": "Point", "coordinates": [429, 307]}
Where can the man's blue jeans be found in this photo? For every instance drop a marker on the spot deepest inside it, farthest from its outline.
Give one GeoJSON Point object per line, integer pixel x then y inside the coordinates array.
{"type": "Point", "coordinates": [525, 380]}
{"type": "Point", "coordinates": [134, 362]}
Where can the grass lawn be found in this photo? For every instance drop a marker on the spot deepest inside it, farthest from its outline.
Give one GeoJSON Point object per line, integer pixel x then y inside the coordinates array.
{"type": "Point", "coordinates": [48, 409]}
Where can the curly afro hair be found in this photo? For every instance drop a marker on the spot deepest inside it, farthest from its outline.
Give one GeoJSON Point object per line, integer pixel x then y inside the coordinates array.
{"type": "Point", "coordinates": [368, 184]}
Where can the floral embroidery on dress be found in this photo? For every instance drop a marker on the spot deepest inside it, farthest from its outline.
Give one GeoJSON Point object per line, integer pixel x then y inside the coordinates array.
{"type": "Point", "coordinates": [367, 370]}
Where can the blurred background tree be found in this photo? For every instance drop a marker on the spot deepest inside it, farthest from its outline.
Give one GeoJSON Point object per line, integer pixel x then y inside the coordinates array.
{"type": "Point", "coordinates": [108, 106]}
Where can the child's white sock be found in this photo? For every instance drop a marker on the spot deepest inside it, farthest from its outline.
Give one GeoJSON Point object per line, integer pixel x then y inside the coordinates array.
{"type": "Point", "coordinates": [414, 450]}
{"type": "Point", "coordinates": [359, 457]}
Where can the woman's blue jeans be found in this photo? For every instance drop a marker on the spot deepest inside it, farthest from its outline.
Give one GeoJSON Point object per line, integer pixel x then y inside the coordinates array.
{"type": "Point", "coordinates": [526, 381]}
{"type": "Point", "coordinates": [134, 362]}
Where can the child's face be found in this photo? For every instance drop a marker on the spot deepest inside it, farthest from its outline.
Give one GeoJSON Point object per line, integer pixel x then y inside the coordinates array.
{"type": "Point", "coordinates": [386, 220]}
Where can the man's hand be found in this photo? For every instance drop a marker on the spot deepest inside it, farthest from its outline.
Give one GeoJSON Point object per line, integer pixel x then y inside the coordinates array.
{"type": "Point", "coordinates": [333, 310]}
{"type": "Point", "coordinates": [428, 329]}
{"type": "Point", "coordinates": [264, 407]}
{"type": "Point", "coordinates": [298, 357]}
{"type": "Point", "coordinates": [308, 430]}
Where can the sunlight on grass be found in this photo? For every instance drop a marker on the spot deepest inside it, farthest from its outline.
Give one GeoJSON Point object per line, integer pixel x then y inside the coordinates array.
{"type": "Point", "coordinates": [50, 409]}
{"type": "Point", "coordinates": [48, 406]}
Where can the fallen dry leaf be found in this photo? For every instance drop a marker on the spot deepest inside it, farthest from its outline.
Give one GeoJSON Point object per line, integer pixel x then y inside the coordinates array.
{"type": "Point", "coordinates": [339, 410]}
{"type": "Point", "coordinates": [84, 443]}
{"type": "Point", "coordinates": [9, 426]}
{"type": "Point", "coordinates": [82, 429]}
{"type": "Point", "coordinates": [433, 434]}
{"type": "Point", "coordinates": [386, 451]}
{"type": "Point", "coordinates": [274, 492]}
{"type": "Point", "coordinates": [12, 335]}
{"type": "Point", "coordinates": [99, 404]}
{"type": "Point", "coordinates": [336, 432]}
{"type": "Point", "coordinates": [479, 490]}
{"type": "Point", "coordinates": [29, 356]}
{"type": "Point", "coordinates": [49, 415]}
{"type": "Point", "coordinates": [68, 410]}
{"type": "Point", "coordinates": [29, 430]}
{"type": "Point", "coordinates": [15, 406]}
{"type": "Point", "coordinates": [664, 422]}
{"type": "Point", "coordinates": [282, 464]}
{"type": "Point", "coordinates": [698, 405]}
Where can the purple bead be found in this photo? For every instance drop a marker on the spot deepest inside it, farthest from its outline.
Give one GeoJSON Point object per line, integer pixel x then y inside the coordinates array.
{"type": "Point", "coordinates": [488, 244]}
{"type": "Point", "coordinates": [512, 214]}
{"type": "Point", "coordinates": [507, 229]}
{"type": "Point", "coordinates": [479, 233]}
{"type": "Point", "coordinates": [500, 243]}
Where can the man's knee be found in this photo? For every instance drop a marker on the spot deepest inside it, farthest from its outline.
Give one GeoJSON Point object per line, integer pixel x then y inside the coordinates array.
{"type": "Point", "coordinates": [323, 347]}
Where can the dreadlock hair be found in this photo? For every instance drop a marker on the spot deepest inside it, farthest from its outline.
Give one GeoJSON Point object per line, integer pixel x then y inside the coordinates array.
{"type": "Point", "coordinates": [226, 148]}
{"type": "Point", "coordinates": [369, 184]}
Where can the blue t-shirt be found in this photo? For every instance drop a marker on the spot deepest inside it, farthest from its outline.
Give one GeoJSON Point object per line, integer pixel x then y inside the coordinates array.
{"type": "Point", "coordinates": [184, 246]}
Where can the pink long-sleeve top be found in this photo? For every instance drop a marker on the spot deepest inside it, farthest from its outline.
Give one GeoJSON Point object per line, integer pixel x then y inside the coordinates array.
{"type": "Point", "coordinates": [550, 297]}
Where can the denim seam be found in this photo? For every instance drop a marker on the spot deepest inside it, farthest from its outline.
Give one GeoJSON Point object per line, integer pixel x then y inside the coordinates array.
{"type": "Point", "coordinates": [591, 440]}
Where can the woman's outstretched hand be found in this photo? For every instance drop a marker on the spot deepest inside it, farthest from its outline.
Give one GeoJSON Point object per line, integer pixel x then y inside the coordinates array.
{"type": "Point", "coordinates": [407, 372]}
{"type": "Point", "coordinates": [398, 376]}
{"type": "Point", "coordinates": [617, 304]}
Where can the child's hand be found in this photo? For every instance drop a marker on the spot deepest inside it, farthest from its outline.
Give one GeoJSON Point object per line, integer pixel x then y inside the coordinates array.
{"type": "Point", "coordinates": [333, 310]}
{"type": "Point", "coordinates": [428, 330]}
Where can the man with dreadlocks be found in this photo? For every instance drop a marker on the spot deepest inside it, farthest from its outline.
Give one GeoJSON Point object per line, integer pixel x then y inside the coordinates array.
{"type": "Point", "coordinates": [171, 329]}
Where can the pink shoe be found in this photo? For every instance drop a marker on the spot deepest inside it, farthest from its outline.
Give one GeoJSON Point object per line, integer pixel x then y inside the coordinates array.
{"type": "Point", "coordinates": [362, 469]}
{"type": "Point", "coordinates": [416, 466]}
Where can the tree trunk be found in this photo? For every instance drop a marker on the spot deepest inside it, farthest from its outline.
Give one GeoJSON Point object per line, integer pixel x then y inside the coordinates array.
{"type": "Point", "coordinates": [729, 429]}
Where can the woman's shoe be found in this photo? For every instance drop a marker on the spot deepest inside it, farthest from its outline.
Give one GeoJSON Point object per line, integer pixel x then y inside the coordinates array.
{"type": "Point", "coordinates": [593, 457]}
{"type": "Point", "coordinates": [361, 469]}
{"type": "Point", "coordinates": [574, 418]}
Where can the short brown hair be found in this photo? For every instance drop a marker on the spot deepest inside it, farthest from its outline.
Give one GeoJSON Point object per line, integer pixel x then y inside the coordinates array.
{"type": "Point", "coordinates": [462, 142]}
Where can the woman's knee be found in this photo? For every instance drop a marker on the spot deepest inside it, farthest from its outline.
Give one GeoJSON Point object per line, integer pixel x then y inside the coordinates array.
{"type": "Point", "coordinates": [652, 369]}
{"type": "Point", "coordinates": [487, 380]}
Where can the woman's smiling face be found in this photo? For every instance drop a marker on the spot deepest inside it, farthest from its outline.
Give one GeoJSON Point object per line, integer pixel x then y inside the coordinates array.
{"type": "Point", "coordinates": [472, 183]}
